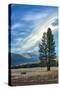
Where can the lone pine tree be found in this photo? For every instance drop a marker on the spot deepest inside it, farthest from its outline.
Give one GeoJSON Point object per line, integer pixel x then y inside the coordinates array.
{"type": "Point", "coordinates": [43, 48]}
{"type": "Point", "coordinates": [47, 47]}
{"type": "Point", "coordinates": [50, 48]}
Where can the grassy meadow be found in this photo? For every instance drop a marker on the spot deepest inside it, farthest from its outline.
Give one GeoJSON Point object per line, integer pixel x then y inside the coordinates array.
{"type": "Point", "coordinates": [38, 75]}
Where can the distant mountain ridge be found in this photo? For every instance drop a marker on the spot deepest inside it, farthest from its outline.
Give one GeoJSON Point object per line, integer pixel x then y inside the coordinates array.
{"type": "Point", "coordinates": [17, 59]}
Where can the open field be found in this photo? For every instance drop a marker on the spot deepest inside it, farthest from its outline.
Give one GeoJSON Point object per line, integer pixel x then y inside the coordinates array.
{"type": "Point", "coordinates": [38, 75]}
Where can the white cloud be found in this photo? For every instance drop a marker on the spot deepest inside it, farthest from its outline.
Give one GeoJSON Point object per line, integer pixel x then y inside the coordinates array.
{"type": "Point", "coordinates": [19, 39]}
{"type": "Point", "coordinates": [33, 16]}
{"type": "Point", "coordinates": [16, 25]}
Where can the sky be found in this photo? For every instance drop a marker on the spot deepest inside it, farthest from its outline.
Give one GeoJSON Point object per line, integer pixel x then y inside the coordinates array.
{"type": "Point", "coordinates": [28, 23]}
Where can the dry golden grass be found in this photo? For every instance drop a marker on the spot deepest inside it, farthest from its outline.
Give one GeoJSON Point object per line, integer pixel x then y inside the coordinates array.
{"type": "Point", "coordinates": [28, 76]}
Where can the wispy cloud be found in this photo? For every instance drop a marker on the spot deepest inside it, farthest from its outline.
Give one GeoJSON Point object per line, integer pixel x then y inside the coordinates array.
{"type": "Point", "coordinates": [33, 16]}
{"type": "Point", "coordinates": [16, 25]}
{"type": "Point", "coordinates": [34, 38]}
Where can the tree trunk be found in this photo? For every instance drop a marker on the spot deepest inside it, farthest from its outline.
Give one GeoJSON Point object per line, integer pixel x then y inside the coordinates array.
{"type": "Point", "coordinates": [48, 64]}
{"type": "Point", "coordinates": [48, 68]}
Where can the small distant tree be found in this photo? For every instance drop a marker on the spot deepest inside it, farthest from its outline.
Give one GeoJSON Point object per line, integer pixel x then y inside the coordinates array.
{"type": "Point", "coordinates": [50, 48]}
{"type": "Point", "coordinates": [43, 48]}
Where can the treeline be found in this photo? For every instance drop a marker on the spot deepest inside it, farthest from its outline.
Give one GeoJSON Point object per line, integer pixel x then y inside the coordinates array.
{"type": "Point", "coordinates": [53, 63]}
